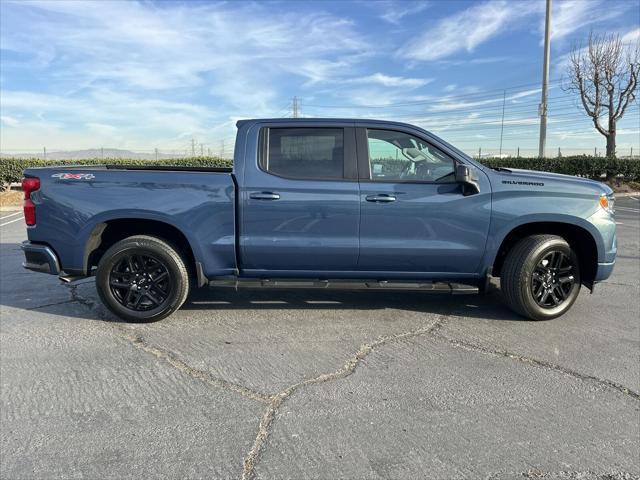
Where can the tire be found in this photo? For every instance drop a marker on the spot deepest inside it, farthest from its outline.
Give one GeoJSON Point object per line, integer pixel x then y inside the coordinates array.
{"type": "Point", "coordinates": [142, 279]}
{"type": "Point", "coordinates": [526, 279]}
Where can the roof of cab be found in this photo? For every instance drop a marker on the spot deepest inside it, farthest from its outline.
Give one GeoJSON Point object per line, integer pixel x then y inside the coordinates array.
{"type": "Point", "coordinates": [316, 121]}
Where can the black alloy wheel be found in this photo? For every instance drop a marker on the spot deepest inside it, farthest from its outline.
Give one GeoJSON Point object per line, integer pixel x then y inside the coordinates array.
{"type": "Point", "coordinates": [553, 279]}
{"type": "Point", "coordinates": [140, 282]}
{"type": "Point", "coordinates": [540, 277]}
{"type": "Point", "coordinates": [142, 278]}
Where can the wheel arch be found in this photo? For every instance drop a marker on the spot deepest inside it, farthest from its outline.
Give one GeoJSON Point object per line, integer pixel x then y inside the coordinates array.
{"type": "Point", "coordinates": [581, 239]}
{"type": "Point", "coordinates": [107, 232]}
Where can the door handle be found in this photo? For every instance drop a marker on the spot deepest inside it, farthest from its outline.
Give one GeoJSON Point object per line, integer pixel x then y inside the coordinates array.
{"type": "Point", "coordinates": [382, 198]}
{"type": "Point", "coordinates": [264, 196]}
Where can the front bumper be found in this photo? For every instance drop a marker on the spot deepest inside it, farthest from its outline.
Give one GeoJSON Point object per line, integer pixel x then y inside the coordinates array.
{"type": "Point", "coordinates": [40, 258]}
{"type": "Point", "coordinates": [606, 225]}
{"type": "Point", "coordinates": [604, 271]}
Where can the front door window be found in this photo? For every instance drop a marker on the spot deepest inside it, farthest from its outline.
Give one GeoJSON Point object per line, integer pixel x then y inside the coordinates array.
{"type": "Point", "coordinates": [400, 157]}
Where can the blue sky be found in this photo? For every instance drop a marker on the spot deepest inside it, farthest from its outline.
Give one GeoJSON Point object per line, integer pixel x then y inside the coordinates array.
{"type": "Point", "coordinates": [145, 75]}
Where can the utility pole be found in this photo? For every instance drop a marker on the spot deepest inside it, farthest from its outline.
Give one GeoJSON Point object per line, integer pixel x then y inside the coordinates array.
{"type": "Point", "coordinates": [295, 107]}
{"type": "Point", "coordinates": [545, 81]}
{"type": "Point", "coordinates": [518, 154]}
{"type": "Point", "coordinates": [44, 149]}
{"type": "Point", "coordinates": [504, 98]}
{"type": "Point", "coordinates": [193, 147]}
{"type": "Point", "coordinates": [156, 154]}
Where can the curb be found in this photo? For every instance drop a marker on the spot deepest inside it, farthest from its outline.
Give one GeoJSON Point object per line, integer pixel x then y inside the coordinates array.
{"type": "Point", "coordinates": [10, 208]}
{"type": "Point", "coordinates": [626, 194]}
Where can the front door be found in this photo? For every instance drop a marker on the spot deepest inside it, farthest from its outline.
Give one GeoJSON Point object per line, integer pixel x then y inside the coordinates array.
{"type": "Point", "coordinates": [414, 216]}
{"type": "Point", "coordinates": [300, 205]}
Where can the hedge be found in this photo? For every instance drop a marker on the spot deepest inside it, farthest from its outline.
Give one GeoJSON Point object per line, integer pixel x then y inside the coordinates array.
{"type": "Point", "coordinates": [585, 166]}
{"type": "Point", "coordinates": [11, 169]}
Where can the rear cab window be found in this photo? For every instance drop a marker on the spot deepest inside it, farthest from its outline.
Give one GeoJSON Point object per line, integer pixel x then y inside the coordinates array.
{"type": "Point", "coordinates": [303, 153]}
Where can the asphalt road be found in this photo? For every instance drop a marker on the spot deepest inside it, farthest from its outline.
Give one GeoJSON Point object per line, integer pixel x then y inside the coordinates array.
{"type": "Point", "coordinates": [319, 384]}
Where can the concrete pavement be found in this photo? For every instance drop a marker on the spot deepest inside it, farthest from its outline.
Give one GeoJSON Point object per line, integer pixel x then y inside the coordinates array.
{"type": "Point", "coordinates": [319, 384]}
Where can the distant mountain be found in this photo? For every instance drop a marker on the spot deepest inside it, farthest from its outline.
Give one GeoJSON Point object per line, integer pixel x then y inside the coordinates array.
{"type": "Point", "coordinates": [94, 153]}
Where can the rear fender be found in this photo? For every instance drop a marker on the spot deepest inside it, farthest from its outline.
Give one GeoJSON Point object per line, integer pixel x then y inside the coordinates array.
{"type": "Point", "coordinates": [90, 234]}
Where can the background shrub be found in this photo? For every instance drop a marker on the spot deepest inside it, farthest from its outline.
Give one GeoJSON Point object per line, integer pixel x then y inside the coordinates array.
{"type": "Point", "coordinates": [11, 169]}
{"type": "Point", "coordinates": [584, 166]}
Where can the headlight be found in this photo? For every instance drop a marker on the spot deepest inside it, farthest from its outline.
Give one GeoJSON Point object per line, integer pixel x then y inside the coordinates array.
{"type": "Point", "coordinates": [607, 202]}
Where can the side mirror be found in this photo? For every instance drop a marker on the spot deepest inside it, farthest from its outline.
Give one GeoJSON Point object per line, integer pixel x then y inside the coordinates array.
{"type": "Point", "coordinates": [470, 185]}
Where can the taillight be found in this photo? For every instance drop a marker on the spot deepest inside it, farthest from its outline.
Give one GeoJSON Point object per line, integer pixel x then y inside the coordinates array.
{"type": "Point", "coordinates": [30, 184]}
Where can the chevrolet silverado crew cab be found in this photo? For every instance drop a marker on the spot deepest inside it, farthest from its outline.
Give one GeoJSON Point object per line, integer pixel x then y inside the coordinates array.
{"type": "Point", "coordinates": [328, 203]}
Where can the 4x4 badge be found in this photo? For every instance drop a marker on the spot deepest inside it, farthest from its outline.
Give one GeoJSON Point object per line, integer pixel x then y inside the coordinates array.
{"type": "Point", "coordinates": [74, 176]}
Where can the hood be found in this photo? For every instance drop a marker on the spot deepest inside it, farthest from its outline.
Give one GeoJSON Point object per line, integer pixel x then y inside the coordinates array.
{"type": "Point", "coordinates": [533, 175]}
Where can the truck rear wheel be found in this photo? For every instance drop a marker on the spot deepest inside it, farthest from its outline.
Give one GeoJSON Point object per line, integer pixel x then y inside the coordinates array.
{"type": "Point", "coordinates": [142, 279]}
{"type": "Point", "coordinates": [540, 277]}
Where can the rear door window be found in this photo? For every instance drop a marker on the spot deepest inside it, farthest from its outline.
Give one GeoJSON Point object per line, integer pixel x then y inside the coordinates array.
{"type": "Point", "coordinates": [305, 153]}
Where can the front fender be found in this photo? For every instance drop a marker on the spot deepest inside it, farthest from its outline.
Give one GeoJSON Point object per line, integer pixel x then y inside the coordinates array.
{"type": "Point", "coordinates": [502, 229]}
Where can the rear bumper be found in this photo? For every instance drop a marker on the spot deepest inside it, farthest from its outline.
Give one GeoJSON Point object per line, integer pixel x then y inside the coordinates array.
{"type": "Point", "coordinates": [40, 258]}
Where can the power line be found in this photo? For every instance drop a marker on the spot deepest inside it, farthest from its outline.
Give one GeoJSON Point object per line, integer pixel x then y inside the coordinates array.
{"type": "Point", "coordinates": [479, 95]}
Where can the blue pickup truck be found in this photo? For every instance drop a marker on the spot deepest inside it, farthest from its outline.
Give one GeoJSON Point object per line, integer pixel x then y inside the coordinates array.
{"type": "Point", "coordinates": [326, 203]}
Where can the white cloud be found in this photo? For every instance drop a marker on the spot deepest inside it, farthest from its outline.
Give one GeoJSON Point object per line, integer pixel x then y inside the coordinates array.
{"type": "Point", "coordinates": [569, 16]}
{"type": "Point", "coordinates": [110, 63]}
{"type": "Point", "coordinates": [9, 121]}
{"type": "Point", "coordinates": [631, 37]}
{"type": "Point", "coordinates": [465, 30]}
{"type": "Point", "coordinates": [394, 11]}
{"type": "Point", "coordinates": [61, 122]}
{"type": "Point", "coordinates": [393, 81]}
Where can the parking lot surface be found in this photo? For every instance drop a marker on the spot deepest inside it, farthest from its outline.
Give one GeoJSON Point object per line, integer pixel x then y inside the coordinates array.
{"type": "Point", "coordinates": [319, 384]}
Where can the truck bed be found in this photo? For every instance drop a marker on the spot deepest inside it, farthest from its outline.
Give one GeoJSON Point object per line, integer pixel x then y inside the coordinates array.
{"type": "Point", "coordinates": [76, 204]}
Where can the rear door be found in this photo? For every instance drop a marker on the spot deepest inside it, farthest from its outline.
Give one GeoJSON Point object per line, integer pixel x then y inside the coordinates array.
{"type": "Point", "coordinates": [300, 205]}
{"type": "Point", "coordinates": [414, 216]}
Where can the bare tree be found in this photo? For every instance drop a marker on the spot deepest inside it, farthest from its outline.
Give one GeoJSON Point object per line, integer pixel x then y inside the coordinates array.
{"type": "Point", "coordinates": [605, 74]}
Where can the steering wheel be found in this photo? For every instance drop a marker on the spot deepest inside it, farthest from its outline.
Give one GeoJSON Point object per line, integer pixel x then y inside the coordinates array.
{"type": "Point", "coordinates": [423, 171]}
{"type": "Point", "coordinates": [405, 171]}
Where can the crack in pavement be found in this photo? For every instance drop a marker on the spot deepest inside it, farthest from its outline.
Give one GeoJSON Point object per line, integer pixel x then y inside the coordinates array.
{"type": "Point", "coordinates": [169, 357]}
{"type": "Point", "coordinates": [347, 369]}
{"type": "Point", "coordinates": [536, 363]}
{"type": "Point", "coordinates": [275, 401]}
{"type": "Point", "coordinates": [172, 359]}
{"type": "Point", "coordinates": [51, 304]}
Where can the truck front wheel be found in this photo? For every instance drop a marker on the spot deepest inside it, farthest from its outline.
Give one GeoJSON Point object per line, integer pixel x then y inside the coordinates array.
{"type": "Point", "coordinates": [142, 279]}
{"type": "Point", "coordinates": [540, 277]}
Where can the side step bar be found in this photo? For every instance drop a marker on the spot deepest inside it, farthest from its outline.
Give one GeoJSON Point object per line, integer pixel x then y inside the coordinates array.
{"type": "Point", "coordinates": [430, 287]}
